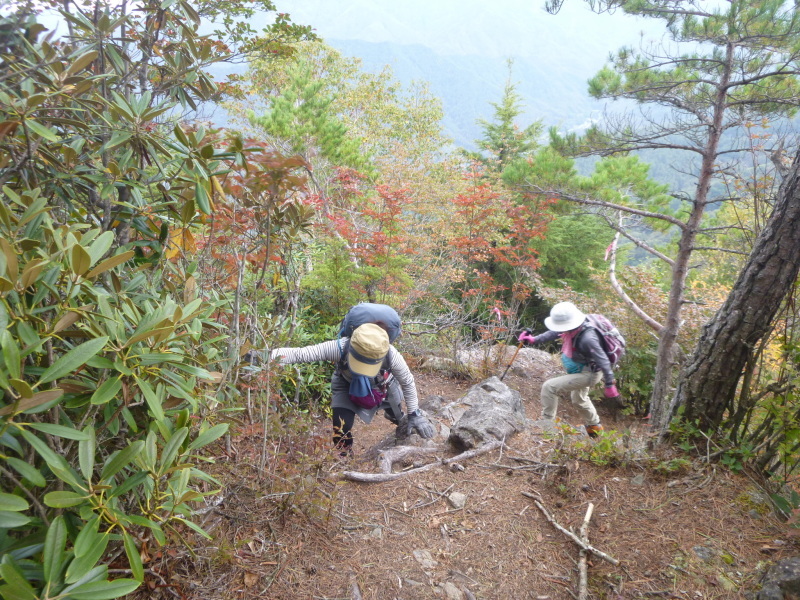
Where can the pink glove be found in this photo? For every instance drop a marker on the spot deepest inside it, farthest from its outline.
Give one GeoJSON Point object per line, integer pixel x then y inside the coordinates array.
{"type": "Point", "coordinates": [526, 337]}
{"type": "Point", "coordinates": [611, 391]}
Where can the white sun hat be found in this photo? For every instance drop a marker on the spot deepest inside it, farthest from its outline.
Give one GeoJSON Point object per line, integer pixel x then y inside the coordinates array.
{"type": "Point", "coordinates": [564, 316]}
{"type": "Point", "coordinates": [369, 344]}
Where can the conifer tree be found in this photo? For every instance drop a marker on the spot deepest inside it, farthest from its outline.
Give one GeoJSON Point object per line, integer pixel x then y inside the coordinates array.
{"type": "Point", "coordinates": [503, 141]}
{"type": "Point", "coordinates": [740, 64]}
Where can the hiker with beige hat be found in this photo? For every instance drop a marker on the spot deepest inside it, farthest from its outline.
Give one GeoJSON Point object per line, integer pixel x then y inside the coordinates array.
{"type": "Point", "coordinates": [370, 375]}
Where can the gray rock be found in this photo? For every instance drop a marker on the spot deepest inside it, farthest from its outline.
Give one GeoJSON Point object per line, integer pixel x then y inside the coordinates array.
{"type": "Point", "coordinates": [638, 479]}
{"type": "Point", "coordinates": [705, 553]}
{"type": "Point", "coordinates": [548, 426]}
{"type": "Point", "coordinates": [451, 592]}
{"type": "Point", "coordinates": [425, 559]}
{"type": "Point", "coordinates": [432, 404]}
{"type": "Point", "coordinates": [438, 363]}
{"type": "Point", "coordinates": [780, 582]}
{"type": "Point", "coordinates": [495, 412]}
{"type": "Point", "coordinates": [457, 500]}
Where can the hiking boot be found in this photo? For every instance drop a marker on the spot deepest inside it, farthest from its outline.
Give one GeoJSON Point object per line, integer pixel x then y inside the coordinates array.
{"type": "Point", "coordinates": [594, 430]}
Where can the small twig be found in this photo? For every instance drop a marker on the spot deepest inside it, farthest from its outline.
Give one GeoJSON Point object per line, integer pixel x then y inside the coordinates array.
{"type": "Point", "coordinates": [439, 496]}
{"type": "Point", "coordinates": [569, 534]}
{"type": "Point", "coordinates": [677, 568]}
{"type": "Point", "coordinates": [217, 501]}
{"type": "Point", "coordinates": [703, 483]}
{"type": "Point", "coordinates": [447, 512]}
{"type": "Point", "coordinates": [533, 467]}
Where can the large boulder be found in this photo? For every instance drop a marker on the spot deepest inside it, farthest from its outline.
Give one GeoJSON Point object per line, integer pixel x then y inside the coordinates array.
{"type": "Point", "coordinates": [489, 411]}
{"type": "Point", "coordinates": [780, 582]}
{"type": "Point", "coordinates": [482, 361]}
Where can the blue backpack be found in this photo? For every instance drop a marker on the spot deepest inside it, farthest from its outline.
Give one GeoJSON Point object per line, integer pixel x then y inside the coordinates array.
{"type": "Point", "coordinates": [366, 312]}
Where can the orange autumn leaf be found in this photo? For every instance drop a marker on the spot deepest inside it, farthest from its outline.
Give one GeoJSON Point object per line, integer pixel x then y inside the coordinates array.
{"type": "Point", "coordinates": [181, 240]}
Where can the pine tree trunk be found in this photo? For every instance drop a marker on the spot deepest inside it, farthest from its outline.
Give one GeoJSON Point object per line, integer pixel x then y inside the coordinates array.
{"type": "Point", "coordinates": [662, 402]}
{"type": "Point", "coordinates": [709, 381]}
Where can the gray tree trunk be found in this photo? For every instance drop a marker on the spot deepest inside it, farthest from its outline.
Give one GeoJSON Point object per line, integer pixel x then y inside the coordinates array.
{"type": "Point", "coordinates": [710, 378]}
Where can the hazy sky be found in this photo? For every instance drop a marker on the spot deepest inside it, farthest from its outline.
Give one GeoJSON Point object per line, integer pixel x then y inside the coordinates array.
{"type": "Point", "coordinates": [555, 55]}
{"type": "Point", "coordinates": [498, 28]}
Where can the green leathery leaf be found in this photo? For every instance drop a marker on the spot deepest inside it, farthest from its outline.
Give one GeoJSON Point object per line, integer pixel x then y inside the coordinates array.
{"type": "Point", "coordinates": [208, 436]}
{"type": "Point", "coordinates": [87, 537]}
{"type": "Point", "coordinates": [128, 484]}
{"type": "Point", "coordinates": [153, 401]}
{"type": "Point", "coordinates": [83, 61]}
{"type": "Point", "coordinates": [120, 459]}
{"type": "Point", "coordinates": [12, 503]}
{"type": "Point", "coordinates": [27, 471]}
{"type": "Point", "coordinates": [104, 590]}
{"type": "Point", "coordinates": [110, 263]}
{"type": "Point", "coordinates": [100, 246]}
{"type": "Point", "coordinates": [86, 452]}
{"type": "Point", "coordinates": [64, 499]}
{"type": "Point", "coordinates": [9, 519]}
{"type": "Point", "coordinates": [60, 431]}
{"type": "Point", "coordinates": [15, 581]}
{"type": "Point", "coordinates": [173, 447]}
{"type": "Point", "coordinates": [52, 459]}
{"type": "Point", "coordinates": [201, 197]}
{"type": "Point", "coordinates": [107, 391]}
{"type": "Point", "coordinates": [41, 130]}
{"type": "Point", "coordinates": [194, 526]}
{"type": "Point", "coordinates": [73, 359]}
{"type": "Point", "coordinates": [134, 557]}
{"type": "Point", "coordinates": [54, 544]}
{"type": "Point", "coordinates": [86, 561]}
{"type": "Point", "coordinates": [11, 354]}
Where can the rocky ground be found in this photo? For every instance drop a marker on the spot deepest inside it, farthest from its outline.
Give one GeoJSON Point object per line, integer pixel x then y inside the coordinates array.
{"type": "Point", "coordinates": [668, 525]}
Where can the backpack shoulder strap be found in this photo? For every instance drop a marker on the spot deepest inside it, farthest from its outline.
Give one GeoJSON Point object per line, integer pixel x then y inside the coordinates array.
{"type": "Point", "coordinates": [341, 366]}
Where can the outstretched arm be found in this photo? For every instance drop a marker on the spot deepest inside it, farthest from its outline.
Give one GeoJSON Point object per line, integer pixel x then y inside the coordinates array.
{"type": "Point", "coordinates": [326, 351]}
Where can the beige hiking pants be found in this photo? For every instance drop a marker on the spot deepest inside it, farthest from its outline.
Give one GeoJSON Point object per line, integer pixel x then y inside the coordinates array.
{"type": "Point", "coordinates": [578, 386]}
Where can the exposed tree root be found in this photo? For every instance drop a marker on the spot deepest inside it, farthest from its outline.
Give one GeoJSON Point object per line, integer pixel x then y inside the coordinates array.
{"type": "Point", "coordinates": [392, 455]}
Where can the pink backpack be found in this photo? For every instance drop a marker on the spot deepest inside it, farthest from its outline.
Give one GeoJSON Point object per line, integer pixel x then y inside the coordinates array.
{"type": "Point", "coordinates": [613, 341]}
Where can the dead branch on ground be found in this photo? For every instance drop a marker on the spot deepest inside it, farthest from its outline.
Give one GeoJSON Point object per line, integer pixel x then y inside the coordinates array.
{"type": "Point", "coordinates": [583, 575]}
{"type": "Point", "coordinates": [568, 533]}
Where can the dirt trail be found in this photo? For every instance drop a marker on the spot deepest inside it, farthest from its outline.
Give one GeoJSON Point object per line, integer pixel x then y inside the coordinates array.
{"type": "Point", "coordinates": [696, 534]}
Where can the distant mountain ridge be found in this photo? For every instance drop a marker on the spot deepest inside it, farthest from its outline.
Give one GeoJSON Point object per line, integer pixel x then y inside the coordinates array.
{"type": "Point", "coordinates": [461, 47]}
{"type": "Point", "coordinates": [467, 85]}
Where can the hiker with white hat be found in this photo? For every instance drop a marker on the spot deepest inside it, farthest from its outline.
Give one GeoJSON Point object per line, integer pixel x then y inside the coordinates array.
{"type": "Point", "coordinates": [585, 359]}
{"type": "Point", "coordinates": [370, 375]}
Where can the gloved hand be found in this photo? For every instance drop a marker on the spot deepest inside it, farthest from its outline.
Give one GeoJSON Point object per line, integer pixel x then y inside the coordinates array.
{"type": "Point", "coordinates": [419, 422]}
{"type": "Point", "coordinates": [611, 391]}
{"type": "Point", "coordinates": [526, 337]}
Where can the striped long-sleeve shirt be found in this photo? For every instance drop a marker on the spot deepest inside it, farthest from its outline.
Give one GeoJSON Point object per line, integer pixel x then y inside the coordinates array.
{"type": "Point", "coordinates": [332, 351]}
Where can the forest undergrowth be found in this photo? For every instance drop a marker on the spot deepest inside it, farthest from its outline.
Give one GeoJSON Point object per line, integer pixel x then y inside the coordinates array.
{"type": "Point", "coordinates": [678, 526]}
